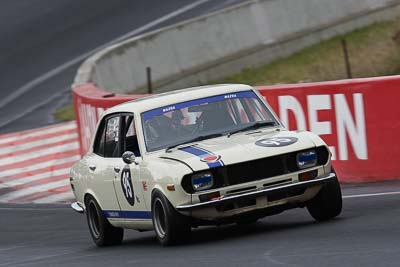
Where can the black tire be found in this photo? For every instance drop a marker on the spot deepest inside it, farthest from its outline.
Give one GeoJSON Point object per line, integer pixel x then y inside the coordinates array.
{"type": "Point", "coordinates": [170, 226]}
{"type": "Point", "coordinates": [102, 232]}
{"type": "Point", "coordinates": [327, 204]}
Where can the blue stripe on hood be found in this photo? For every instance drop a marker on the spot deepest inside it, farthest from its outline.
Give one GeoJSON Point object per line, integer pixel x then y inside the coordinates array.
{"type": "Point", "coordinates": [202, 153]}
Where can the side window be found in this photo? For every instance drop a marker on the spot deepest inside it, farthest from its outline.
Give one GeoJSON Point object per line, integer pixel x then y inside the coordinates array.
{"type": "Point", "coordinates": [99, 141]}
{"type": "Point", "coordinates": [130, 138]}
{"type": "Point", "coordinates": [111, 146]}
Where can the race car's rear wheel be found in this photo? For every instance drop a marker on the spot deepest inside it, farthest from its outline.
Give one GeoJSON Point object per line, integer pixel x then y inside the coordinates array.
{"type": "Point", "coordinates": [170, 226]}
{"type": "Point", "coordinates": [102, 232]}
{"type": "Point", "coordinates": [327, 204]}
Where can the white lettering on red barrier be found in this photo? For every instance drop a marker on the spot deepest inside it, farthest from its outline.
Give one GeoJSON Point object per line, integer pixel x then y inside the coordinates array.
{"type": "Point", "coordinates": [347, 124]}
{"type": "Point", "coordinates": [287, 103]}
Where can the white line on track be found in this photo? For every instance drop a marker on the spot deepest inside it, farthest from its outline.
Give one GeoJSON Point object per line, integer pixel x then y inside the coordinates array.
{"type": "Point", "coordinates": [38, 166]}
{"type": "Point", "coordinates": [11, 248]}
{"type": "Point", "coordinates": [24, 146]}
{"type": "Point", "coordinates": [31, 109]}
{"type": "Point", "coordinates": [373, 194]}
{"type": "Point", "coordinates": [64, 127]}
{"type": "Point", "coordinates": [40, 153]}
{"type": "Point", "coordinates": [35, 259]}
{"type": "Point", "coordinates": [20, 91]}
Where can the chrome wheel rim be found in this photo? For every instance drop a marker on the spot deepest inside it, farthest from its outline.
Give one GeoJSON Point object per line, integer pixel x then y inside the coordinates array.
{"type": "Point", "coordinates": [159, 218]}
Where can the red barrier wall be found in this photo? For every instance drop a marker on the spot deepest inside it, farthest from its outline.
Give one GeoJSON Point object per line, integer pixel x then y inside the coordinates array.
{"type": "Point", "coordinates": [359, 120]}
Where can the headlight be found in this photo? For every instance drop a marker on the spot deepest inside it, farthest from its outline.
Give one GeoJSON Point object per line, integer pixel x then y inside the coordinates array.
{"type": "Point", "coordinates": [202, 181]}
{"type": "Point", "coordinates": [307, 159]}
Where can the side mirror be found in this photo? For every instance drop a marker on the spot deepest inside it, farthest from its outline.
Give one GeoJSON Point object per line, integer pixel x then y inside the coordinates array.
{"type": "Point", "coordinates": [129, 157]}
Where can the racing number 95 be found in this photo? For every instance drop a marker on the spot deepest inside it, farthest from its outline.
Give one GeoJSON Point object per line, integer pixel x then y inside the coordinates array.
{"type": "Point", "coordinates": [127, 186]}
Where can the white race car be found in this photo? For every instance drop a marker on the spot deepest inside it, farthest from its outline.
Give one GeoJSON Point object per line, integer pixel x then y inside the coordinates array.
{"type": "Point", "coordinates": [198, 156]}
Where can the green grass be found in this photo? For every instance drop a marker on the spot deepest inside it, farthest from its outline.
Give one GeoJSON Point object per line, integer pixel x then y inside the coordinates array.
{"type": "Point", "coordinates": [65, 113]}
{"type": "Point", "coordinates": [372, 52]}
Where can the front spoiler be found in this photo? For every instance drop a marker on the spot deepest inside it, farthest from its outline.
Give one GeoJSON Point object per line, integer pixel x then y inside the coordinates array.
{"type": "Point", "coordinates": [263, 192]}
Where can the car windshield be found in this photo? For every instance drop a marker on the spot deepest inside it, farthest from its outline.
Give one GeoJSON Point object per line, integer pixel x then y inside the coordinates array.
{"type": "Point", "coordinates": [204, 118]}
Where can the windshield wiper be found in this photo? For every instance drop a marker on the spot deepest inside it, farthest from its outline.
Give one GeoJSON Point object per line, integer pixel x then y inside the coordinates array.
{"type": "Point", "coordinates": [255, 125]}
{"type": "Point", "coordinates": [196, 139]}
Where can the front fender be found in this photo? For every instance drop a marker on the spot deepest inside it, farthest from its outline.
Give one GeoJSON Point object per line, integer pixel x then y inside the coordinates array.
{"type": "Point", "coordinates": [166, 177]}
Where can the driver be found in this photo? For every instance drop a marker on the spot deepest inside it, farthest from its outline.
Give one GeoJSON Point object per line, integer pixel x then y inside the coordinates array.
{"type": "Point", "coordinates": [216, 116]}
{"type": "Point", "coordinates": [177, 117]}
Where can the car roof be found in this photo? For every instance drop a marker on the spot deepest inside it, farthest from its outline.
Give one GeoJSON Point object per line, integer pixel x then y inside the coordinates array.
{"type": "Point", "coordinates": [168, 98]}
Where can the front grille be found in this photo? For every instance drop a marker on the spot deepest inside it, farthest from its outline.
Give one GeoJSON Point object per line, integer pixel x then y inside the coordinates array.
{"type": "Point", "coordinates": [257, 169]}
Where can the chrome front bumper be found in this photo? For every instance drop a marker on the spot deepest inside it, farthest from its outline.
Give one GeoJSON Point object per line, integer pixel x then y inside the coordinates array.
{"type": "Point", "coordinates": [254, 194]}
{"type": "Point", "coordinates": [77, 207]}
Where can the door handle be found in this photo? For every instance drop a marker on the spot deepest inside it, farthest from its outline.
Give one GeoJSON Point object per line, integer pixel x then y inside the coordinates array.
{"type": "Point", "coordinates": [117, 169]}
{"type": "Point", "coordinates": [92, 167]}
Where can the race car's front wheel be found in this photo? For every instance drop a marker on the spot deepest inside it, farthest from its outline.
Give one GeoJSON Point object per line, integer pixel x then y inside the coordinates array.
{"type": "Point", "coordinates": [327, 204]}
{"type": "Point", "coordinates": [102, 232]}
{"type": "Point", "coordinates": [170, 226]}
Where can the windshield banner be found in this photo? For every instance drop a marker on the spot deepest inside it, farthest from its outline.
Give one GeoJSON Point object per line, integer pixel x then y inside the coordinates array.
{"type": "Point", "coordinates": [159, 111]}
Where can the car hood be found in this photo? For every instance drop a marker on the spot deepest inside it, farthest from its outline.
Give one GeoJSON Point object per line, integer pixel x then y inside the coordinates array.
{"type": "Point", "coordinates": [241, 147]}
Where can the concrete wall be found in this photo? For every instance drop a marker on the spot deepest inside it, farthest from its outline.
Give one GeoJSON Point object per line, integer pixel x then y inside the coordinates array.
{"type": "Point", "coordinates": [211, 47]}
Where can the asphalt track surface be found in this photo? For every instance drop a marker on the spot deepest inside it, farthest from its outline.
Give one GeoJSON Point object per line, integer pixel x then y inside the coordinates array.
{"type": "Point", "coordinates": [366, 234]}
{"type": "Point", "coordinates": [39, 36]}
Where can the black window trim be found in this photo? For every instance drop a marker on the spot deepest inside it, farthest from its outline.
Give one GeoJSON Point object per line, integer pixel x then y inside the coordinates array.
{"type": "Point", "coordinates": [121, 129]}
{"type": "Point", "coordinates": [123, 132]}
{"type": "Point", "coordinates": [103, 124]}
